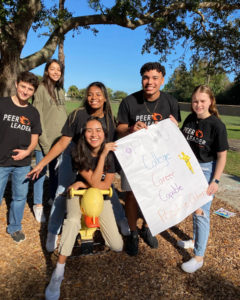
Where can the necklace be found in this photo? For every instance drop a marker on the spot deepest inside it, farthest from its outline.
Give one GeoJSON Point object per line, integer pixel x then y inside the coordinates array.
{"type": "Point", "coordinates": [148, 110]}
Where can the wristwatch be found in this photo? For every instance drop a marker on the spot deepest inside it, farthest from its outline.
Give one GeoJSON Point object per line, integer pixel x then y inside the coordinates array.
{"type": "Point", "coordinates": [216, 181]}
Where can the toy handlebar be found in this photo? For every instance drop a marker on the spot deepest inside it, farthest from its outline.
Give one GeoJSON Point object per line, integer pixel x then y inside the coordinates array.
{"type": "Point", "coordinates": [74, 192]}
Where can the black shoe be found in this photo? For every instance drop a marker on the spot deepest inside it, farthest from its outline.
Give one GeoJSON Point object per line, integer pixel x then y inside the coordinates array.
{"type": "Point", "coordinates": [132, 243]}
{"type": "Point", "coordinates": [18, 236]}
{"type": "Point", "coordinates": [150, 240]}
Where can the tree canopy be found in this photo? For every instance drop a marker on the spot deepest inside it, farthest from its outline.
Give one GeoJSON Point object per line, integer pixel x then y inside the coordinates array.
{"type": "Point", "coordinates": [74, 92]}
{"type": "Point", "coordinates": [208, 28]}
{"type": "Point", "coordinates": [182, 83]}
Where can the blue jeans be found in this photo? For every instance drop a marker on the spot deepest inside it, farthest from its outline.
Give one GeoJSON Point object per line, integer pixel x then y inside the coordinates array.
{"type": "Point", "coordinates": [118, 210]}
{"type": "Point", "coordinates": [19, 194]}
{"type": "Point", "coordinates": [38, 184]}
{"type": "Point", "coordinates": [67, 176]}
{"type": "Point", "coordinates": [201, 223]}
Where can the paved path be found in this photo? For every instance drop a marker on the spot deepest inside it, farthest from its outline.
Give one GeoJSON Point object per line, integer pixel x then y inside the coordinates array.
{"type": "Point", "coordinates": [229, 190]}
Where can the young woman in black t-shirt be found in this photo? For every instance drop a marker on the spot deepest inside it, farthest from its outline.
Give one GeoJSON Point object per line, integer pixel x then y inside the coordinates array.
{"type": "Point", "coordinates": [92, 158]}
{"type": "Point", "coordinates": [207, 137]}
{"type": "Point", "coordinates": [96, 104]}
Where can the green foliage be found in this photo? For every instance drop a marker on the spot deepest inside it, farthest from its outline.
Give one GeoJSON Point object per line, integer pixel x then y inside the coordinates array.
{"type": "Point", "coordinates": [230, 95]}
{"type": "Point", "coordinates": [204, 27]}
{"type": "Point", "coordinates": [73, 91]}
{"type": "Point", "coordinates": [39, 77]}
{"type": "Point", "coordinates": [110, 93]}
{"type": "Point", "coordinates": [119, 95]}
{"type": "Point", "coordinates": [182, 82]}
{"type": "Point", "coordinates": [82, 93]}
{"type": "Point", "coordinates": [210, 29]}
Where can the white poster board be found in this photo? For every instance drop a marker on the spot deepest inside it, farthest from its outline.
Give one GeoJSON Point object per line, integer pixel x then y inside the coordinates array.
{"type": "Point", "coordinates": [163, 173]}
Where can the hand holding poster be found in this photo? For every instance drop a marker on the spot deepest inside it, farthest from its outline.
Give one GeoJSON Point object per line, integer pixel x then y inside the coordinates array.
{"type": "Point", "coordinates": [164, 174]}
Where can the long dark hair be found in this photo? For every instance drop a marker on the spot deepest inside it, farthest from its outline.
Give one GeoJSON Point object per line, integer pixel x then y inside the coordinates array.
{"type": "Point", "coordinates": [49, 84]}
{"type": "Point", "coordinates": [107, 110]}
{"type": "Point", "coordinates": [82, 152]}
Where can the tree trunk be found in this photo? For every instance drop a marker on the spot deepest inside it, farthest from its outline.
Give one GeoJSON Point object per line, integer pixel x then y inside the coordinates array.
{"type": "Point", "coordinates": [61, 55]}
{"type": "Point", "coordinates": [9, 69]}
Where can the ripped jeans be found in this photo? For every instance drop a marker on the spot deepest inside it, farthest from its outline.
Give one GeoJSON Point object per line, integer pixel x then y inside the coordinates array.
{"type": "Point", "coordinates": [201, 223]}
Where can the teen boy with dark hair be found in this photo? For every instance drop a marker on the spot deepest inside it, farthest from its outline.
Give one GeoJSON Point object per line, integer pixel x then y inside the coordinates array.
{"type": "Point", "coordinates": [19, 130]}
{"type": "Point", "coordinates": [138, 111]}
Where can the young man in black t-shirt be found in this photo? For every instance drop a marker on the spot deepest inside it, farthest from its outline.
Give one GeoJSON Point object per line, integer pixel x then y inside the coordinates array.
{"type": "Point", "coordinates": [19, 130]}
{"type": "Point", "coordinates": [136, 112]}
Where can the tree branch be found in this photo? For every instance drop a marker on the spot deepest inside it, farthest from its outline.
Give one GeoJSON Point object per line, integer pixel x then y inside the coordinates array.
{"type": "Point", "coordinates": [212, 5]}
{"type": "Point", "coordinates": [202, 21]}
{"type": "Point", "coordinates": [47, 51]}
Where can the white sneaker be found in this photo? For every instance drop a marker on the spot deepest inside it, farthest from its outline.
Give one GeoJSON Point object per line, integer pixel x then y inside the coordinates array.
{"type": "Point", "coordinates": [39, 214]}
{"type": "Point", "coordinates": [53, 289]}
{"type": "Point", "coordinates": [192, 265]}
{"type": "Point", "coordinates": [186, 244]}
{"type": "Point", "coordinates": [51, 243]}
{"type": "Point", "coordinates": [124, 227]}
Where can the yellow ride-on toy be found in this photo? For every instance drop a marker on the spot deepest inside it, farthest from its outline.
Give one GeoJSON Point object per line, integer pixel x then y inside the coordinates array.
{"type": "Point", "coordinates": [91, 204]}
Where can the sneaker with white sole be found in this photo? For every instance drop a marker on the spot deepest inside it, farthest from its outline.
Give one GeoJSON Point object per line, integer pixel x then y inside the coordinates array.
{"type": "Point", "coordinates": [39, 213]}
{"type": "Point", "coordinates": [186, 244]}
{"type": "Point", "coordinates": [192, 265]}
{"type": "Point", "coordinates": [53, 289]}
{"type": "Point", "coordinates": [51, 243]}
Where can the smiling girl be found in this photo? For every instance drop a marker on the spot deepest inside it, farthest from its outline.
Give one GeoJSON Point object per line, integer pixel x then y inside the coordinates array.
{"type": "Point", "coordinates": [94, 160]}
{"type": "Point", "coordinates": [96, 104]}
{"type": "Point", "coordinates": [49, 101]}
{"type": "Point", "coordinates": [207, 137]}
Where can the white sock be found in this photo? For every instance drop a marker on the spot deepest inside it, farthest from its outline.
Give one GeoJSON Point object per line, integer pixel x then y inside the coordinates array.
{"type": "Point", "coordinates": [59, 271]}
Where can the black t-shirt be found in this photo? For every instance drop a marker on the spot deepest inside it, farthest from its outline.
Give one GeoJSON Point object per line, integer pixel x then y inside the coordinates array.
{"type": "Point", "coordinates": [17, 124]}
{"type": "Point", "coordinates": [206, 137]}
{"type": "Point", "coordinates": [76, 122]}
{"type": "Point", "coordinates": [135, 108]}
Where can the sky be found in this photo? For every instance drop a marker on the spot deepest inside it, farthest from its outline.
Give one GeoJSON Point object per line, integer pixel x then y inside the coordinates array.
{"type": "Point", "coordinates": [113, 56]}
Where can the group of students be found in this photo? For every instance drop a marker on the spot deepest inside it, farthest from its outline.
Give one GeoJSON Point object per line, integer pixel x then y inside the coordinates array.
{"type": "Point", "coordinates": [83, 144]}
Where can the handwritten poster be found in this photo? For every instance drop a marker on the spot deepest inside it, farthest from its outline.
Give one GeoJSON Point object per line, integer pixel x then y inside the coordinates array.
{"type": "Point", "coordinates": [163, 173]}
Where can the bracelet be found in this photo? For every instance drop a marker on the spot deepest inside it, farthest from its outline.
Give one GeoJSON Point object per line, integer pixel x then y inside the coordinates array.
{"type": "Point", "coordinates": [216, 181]}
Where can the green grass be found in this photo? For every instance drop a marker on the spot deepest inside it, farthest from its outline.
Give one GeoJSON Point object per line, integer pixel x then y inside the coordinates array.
{"type": "Point", "coordinates": [233, 163]}
{"type": "Point", "coordinates": [233, 126]}
{"type": "Point", "coordinates": [71, 105]}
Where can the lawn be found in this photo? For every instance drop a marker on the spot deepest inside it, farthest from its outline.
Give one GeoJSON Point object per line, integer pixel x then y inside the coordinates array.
{"type": "Point", "coordinates": [233, 129]}
{"type": "Point", "coordinates": [71, 105]}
